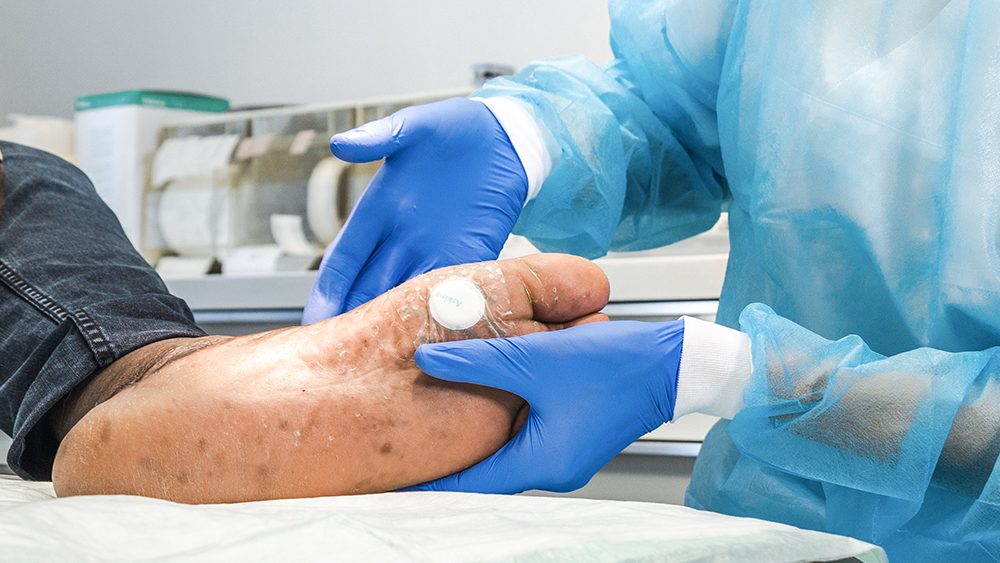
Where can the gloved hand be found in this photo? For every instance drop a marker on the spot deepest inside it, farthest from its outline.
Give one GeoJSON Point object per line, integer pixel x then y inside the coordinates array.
{"type": "Point", "coordinates": [593, 390]}
{"type": "Point", "coordinates": [449, 192]}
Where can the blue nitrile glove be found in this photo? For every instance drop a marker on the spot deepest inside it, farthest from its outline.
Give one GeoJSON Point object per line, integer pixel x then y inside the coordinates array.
{"type": "Point", "coordinates": [449, 193]}
{"type": "Point", "coordinates": [593, 390]}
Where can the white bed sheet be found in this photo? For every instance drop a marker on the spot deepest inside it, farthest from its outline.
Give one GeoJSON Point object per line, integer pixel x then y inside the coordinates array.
{"type": "Point", "coordinates": [425, 526]}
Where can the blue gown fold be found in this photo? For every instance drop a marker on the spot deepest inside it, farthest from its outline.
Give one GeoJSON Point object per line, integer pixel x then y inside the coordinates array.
{"type": "Point", "coordinates": [856, 146]}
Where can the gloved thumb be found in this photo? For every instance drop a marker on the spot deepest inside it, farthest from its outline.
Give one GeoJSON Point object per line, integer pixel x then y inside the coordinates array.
{"type": "Point", "coordinates": [497, 362]}
{"type": "Point", "coordinates": [372, 141]}
{"type": "Point", "coordinates": [319, 307]}
{"type": "Point", "coordinates": [381, 138]}
{"type": "Point", "coordinates": [497, 474]}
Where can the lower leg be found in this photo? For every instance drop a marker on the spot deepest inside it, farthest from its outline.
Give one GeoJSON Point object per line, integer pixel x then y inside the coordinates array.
{"type": "Point", "coordinates": [337, 407]}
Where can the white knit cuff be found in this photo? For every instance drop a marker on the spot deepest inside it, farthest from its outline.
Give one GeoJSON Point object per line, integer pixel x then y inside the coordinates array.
{"type": "Point", "coordinates": [534, 145]}
{"type": "Point", "coordinates": [715, 369]}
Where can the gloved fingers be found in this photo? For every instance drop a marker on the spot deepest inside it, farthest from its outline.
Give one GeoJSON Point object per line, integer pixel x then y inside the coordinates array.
{"type": "Point", "coordinates": [372, 141]}
{"type": "Point", "coordinates": [439, 485]}
{"type": "Point", "coordinates": [329, 292]}
{"type": "Point", "coordinates": [319, 307]}
{"type": "Point", "coordinates": [388, 266]}
{"type": "Point", "coordinates": [384, 137]}
{"type": "Point", "coordinates": [502, 473]}
{"type": "Point", "coordinates": [343, 261]}
{"type": "Point", "coordinates": [500, 363]}
{"type": "Point", "coordinates": [365, 289]}
{"type": "Point", "coordinates": [464, 482]}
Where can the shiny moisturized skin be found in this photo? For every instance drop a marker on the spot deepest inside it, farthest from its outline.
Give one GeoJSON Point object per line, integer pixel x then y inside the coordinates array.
{"type": "Point", "coordinates": [335, 407]}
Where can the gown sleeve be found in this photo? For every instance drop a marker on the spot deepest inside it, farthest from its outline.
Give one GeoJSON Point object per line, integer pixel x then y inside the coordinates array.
{"type": "Point", "coordinates": [640, 164]}
{"type": "Point", "coordinates": [885, 433]}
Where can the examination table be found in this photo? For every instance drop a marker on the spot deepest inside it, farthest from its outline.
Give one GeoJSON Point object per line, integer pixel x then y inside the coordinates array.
{"type": "Point", "coordinates": [420, 526]}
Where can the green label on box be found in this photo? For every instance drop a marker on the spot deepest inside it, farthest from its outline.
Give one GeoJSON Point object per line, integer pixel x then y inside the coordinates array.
{"type": "Point", "coordinates": [154, 99]}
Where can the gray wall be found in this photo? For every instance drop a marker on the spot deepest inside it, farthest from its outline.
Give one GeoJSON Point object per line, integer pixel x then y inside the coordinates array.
{"type": "Point", "coordinates": [274, 51]}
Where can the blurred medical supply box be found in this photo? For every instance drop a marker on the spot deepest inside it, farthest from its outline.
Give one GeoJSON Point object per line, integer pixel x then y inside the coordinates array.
{"type": "Point", "coordinates": [50, 134]}
{"type": "Point", "coordinates": [116, 131]}
{"type": "Point", "coordinates": [255, 192]}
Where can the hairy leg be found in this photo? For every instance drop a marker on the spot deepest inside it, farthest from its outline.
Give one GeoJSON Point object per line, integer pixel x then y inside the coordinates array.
{"type": "Point", "coordinates": [336, 407]}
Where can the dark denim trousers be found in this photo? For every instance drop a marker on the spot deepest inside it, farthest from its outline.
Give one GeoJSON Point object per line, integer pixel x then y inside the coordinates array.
{"type": "Point", "coordinates": [74, 297]}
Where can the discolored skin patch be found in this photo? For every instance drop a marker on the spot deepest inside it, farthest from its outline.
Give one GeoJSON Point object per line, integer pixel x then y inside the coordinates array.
{"type": "Point", "coordinates": [263, 474]}
{"type": "Point", "coordinates": [105, 432]}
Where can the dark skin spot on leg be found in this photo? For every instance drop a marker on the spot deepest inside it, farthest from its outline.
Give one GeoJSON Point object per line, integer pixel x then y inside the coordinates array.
{"type": "Point", "coordinates": [183, 478]}
{"type": "Point", "coordinates": [105, 432]}
{"type": "Point", "coordinates": [309, 427]}
{"type": "Point", "coordinates": [263, 476]}
{"type": "Point", "coordinates": [283, 425]}
{"type": "Point", "coordinates": [148, 465]}
{"type": "Point", "coordinates": [386, 449]}
{"type": "Point", "coordinates": [260, 438]}
{"type": "Point", "coordinates": [202, 445]}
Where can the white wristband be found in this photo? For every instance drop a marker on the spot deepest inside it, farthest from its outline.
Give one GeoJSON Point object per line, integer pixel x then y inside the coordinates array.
{"type": "Point", "coordinates": [715, 369]}
{"type": "Point", "coordinates": [533, 144]}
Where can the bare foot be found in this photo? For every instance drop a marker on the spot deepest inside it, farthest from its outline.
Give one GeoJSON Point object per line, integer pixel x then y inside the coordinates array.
{"type": "Point", "coordinates": [336, 407]}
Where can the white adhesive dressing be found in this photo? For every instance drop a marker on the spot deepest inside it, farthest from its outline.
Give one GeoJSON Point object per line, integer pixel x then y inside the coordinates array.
{"type": "Point", "coordinates": [457, 304]}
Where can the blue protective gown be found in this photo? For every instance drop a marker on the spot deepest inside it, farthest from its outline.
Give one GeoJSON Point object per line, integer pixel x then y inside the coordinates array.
{"type": "Point", "coordinates": [857, 144]}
